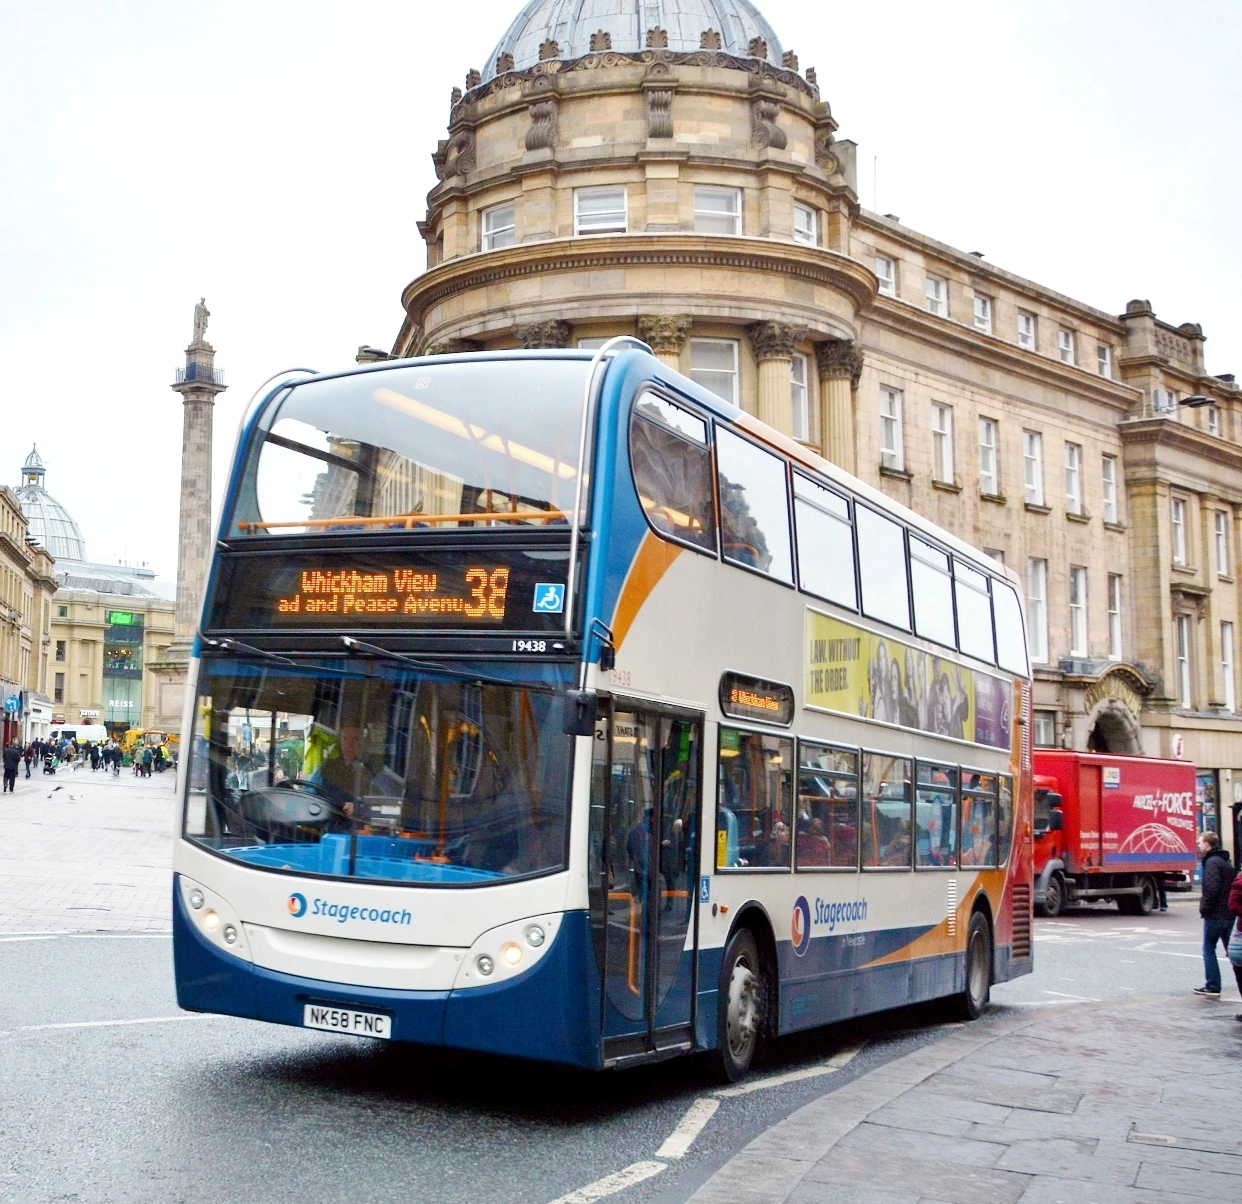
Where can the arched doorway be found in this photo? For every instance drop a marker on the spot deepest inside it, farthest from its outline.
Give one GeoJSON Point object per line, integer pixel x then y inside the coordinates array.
{"type": "Point", "coordinates": [1114, 729]}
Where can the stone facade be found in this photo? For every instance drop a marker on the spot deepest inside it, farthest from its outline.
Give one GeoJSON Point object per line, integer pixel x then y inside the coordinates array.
{"type": "Point", "coordinates": [703, 201]}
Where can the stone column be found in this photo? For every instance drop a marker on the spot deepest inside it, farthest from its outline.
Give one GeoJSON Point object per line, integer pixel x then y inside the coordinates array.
{"type": "Point", "coordinates": [840, 365]}
{"type": "Point", "coordinates": [772, 343]}
{"type": "Point", "coordinates": [666, 335]}
{"type": "Point", "coordinates": [553, 333]}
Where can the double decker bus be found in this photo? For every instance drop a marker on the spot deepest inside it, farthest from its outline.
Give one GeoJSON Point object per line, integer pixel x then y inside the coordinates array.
{"type": "Point", "coordinates": [547, 705]}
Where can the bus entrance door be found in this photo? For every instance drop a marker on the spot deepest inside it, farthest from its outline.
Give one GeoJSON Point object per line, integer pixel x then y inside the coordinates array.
{"type": "Point", "coordinates": [650, 834]}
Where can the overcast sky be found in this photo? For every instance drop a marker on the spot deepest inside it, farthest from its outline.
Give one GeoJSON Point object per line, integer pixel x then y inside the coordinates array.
{"type": "Point", "coordinates": [275, 157]}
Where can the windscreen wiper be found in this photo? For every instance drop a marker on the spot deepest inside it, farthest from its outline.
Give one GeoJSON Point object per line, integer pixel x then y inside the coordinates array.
{"type": "Point", "coordinates": [425, 666]}
{"type": "Point", "coordinates": [228, 645]}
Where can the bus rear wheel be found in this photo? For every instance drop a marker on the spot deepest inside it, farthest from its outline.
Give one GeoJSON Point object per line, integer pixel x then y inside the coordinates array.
{"type": "Point", "coordinates": [740, 1010]}
{"type": "Point", "coordinates": [973, 1001]}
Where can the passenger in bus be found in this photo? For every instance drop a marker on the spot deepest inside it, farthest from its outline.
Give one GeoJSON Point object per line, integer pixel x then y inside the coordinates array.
{"type": "Point", "coordinates": [813, 845]}
{"type": "Point", "coordinates": [978, 851]}
{"type": "Point", "coordinates": [898, 850]}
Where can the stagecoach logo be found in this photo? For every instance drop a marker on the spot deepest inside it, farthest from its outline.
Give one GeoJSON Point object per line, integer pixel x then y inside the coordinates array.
{"type": "Point", "coordinates": [297, 905]}
{"type": "Point", "coordinates": [800, 928]}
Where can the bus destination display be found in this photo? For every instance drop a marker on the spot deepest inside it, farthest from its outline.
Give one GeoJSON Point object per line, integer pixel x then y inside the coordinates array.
{"type": "Point", "coordinates": [503, 590]}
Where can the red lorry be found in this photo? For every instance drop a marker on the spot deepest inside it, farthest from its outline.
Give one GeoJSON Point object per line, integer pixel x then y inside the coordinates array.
{"type": "Point", "coordinates": [1111, 828]}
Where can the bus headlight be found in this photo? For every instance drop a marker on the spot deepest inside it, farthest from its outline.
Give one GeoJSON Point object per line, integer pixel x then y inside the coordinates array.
{"type": "Point", "coordinates": [484, 964]}
{"type": "Point", "coordinates": [196, 899]}
{"type": "Point", "coordinates": [512, 953]}
{"type": "Point", "coordinates": [211, 920]}
{"type": "Point", "coordinates": [535, 936]}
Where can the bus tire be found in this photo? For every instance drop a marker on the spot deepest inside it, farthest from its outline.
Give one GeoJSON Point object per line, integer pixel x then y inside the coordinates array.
{"type": "Point", "coordinates": [973, 1001]}
{"type": "Point", "coordinates": [740, 1010]}
{"type": "Point", "coordinates": [1054, 897]}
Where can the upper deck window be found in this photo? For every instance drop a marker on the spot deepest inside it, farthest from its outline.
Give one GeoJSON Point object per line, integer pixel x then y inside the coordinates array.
{"type": "Point", "coordinates": [672, 465]}
{"type": "Point", "coordinates": [754, 506]}
{"type": "Point", "coordinates": [437, 445]}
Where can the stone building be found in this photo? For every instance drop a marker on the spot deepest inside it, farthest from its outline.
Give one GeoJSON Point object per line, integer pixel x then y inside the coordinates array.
{"type": "Point", "coordinates": [26, 587]}
{"type": "Point", "coordinates": [105, 622]}
{"type": "Point", "coordinates": [679, 177]}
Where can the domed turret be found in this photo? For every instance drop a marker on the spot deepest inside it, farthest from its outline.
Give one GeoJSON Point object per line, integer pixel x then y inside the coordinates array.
{"type": "Point", "coordinates": [575, 25]}
{"type": "Point", "coordinates": [49, 523]}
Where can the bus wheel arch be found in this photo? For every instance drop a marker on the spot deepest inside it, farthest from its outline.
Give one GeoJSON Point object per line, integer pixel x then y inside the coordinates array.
{"type": "Point", "coordinates": [980, 969]}
{"type": "Point", "coordinates": [747, 1003]}
{"type": "Point", "coordinates": [983, 906]}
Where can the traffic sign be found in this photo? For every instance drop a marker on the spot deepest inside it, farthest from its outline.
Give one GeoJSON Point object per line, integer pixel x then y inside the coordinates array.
{"type": "Point", "coordinates": [12, 704]}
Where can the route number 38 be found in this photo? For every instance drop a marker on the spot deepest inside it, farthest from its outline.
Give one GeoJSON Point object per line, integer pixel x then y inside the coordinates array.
{"type": "Point", "coordinates": [487, 593]}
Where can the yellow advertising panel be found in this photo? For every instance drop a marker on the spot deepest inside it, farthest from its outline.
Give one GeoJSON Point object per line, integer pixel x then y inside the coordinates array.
{"type": "Point", "coordinates": [857, 672]}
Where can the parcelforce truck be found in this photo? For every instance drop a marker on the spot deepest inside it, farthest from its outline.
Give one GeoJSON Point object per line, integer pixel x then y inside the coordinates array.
{"type": "Point", "coordinates": [1111, 828]}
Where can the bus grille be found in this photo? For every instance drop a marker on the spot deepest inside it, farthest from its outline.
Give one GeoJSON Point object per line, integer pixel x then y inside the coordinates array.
{"type": "Point", "coordinates": [1021, 920]}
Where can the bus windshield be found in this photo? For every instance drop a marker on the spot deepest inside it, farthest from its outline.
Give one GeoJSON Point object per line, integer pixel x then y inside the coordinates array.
{"type": "Point", "coordinates": [435, 445]}
{"type": "Point", "coordinates": [379, 772]}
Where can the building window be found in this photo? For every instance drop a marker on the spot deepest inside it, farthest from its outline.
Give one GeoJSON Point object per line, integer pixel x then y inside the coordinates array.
{"type": "Point", "coordinates": [58, 692]}
{"type": "Point", "coordinates": [989, 478]}
{"type": "Point", "coordinates": [1073, 478]}
{"type": "Point", "coordinates": [892, 446]}
{"type": "Point", "coordinates": [500, 226]}
{"type": "Point", "coordinates": [1078, 610]}
{"type": "Point", "coordinates": [1065, 345]}
{"type": "Point", "coordinates": [594, 343]}
{"type": "Point", "coordinates": [806, 225]}
{"type": "Point", "coordinates": [886, 271]}
{"type": "Point", "coordinates": [1046, 729]}
{"type": "Point", "coordinates": [1104, 359]}
{"type": "Point", "coordinates": [997, 554]}
{"type": "Point", "coordinates": [1226, 666]}
{"type": "Point", "coordinates": [1184, 693]}
{"type": "Point", "coordinates": [983, 314]}
{"type": "Point", "coordinates": [1033, 466]}
{"type": "Point", "coordinates": [600, 211]}
{"type": "Point", "coordinates": [1114, 616]}
{"type": "Point", "coordinates": [938, 296]}
{"type": "Point", "coordinates": [1109, 474]}
{"type": "Point", "coordinates": [60, 651]}
{"type": "Point", "coordinates": [1222, 543]}
{"type": "Point", "coordinates": [62, 612]}
{"type": "Point", "coordinates": [1037, 607]}
{"type": "Point", "coordinates": [1213, 420]}
{"type": "Point", "coordinates": [942, 443]}
{"type": "Point", "coordinates": [717, 210]}
{"type": "Point", "coordinates": [798, 395]}
{"type": "Point", "coordinates": [1177, 516]}
{"type": "Point", "coordinates": [1164, 401]}
{"type": "Point", "coordinates": [1026, 330]}
{"type": "Point", "coordinates": [713, 364]}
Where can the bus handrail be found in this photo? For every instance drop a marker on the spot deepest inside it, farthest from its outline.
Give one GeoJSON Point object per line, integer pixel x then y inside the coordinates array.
{"type": "Point", "coordinates": [587, 399]}
{"type": "Point", "coordinates": [410, 520]}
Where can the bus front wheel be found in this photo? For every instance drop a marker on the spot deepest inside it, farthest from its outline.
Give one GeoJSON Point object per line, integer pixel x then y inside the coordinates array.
{"type": "Point", "coordinates": [740, 1011]}
{"type": "Point", "coordinates": [973, 1001]}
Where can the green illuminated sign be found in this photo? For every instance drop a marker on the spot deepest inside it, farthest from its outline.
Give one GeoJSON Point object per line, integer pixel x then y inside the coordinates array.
{"type": "Point", "coordinates": [123, 618]}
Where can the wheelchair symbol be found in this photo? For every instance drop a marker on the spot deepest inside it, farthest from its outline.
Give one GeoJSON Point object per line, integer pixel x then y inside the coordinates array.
{"type": "Point", "coordinates": [549, 598]}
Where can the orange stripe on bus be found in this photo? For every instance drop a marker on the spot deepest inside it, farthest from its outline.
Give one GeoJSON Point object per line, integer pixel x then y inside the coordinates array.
{"type": "Point", "coordinates": [654, 557]}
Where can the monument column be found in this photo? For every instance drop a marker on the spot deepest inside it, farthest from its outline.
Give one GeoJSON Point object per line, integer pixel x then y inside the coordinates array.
{"type": "Point", "coordinates": [772, 343]}
{"type": "Point", "coordinates": [840, 365]}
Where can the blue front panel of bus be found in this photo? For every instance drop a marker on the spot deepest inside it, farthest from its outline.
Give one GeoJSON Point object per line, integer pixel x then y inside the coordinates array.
{"type": "Point", "coordinates": [549, 1013]}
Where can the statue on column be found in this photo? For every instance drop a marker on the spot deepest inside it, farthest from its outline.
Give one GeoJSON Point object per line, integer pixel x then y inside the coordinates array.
{"type": "Point", "coordinates": [201, 314]}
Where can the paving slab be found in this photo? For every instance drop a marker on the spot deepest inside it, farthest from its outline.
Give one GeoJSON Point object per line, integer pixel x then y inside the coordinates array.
{"type": "Point", "coordinates": [1143, 1111]}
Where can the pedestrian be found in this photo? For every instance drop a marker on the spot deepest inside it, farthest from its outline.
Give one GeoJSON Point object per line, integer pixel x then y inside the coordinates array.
{"type": "Point", "coordinates": [28, 756]}
{"type": "Point", "coordinates": [1163, 887]}
{"type": "Point", "coordinates": [1235, 941]}
{"type": "Point", "coordinates": [147, 757]}
{"type": "Point", "coordinates": [12, 759]}
{"type": "Point", "coordinates": [1218, 875]}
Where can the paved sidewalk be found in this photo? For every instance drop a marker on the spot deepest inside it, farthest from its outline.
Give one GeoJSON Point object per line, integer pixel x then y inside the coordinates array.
{"type": "Point", "coordinates": [85, 852]}
{"type": "Point", "coordinates": [1125, 1102]}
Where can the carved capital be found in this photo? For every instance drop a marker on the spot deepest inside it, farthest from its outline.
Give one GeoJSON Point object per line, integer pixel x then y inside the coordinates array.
{"type": "Point", "coordinates": [763, 128]}
{"type": "Point", "coordinates": [601, 40]}
{"type": "Point", "coordinates": [459, 155]}
{"type": "Point", "coordinates": [657, 39]}
{"type": "Point", "coordinates": [772, 340]}
{"type": "Point", "coordinates": [710, 39]}
{"type": "Point", "coordinates": [758, 48]}
{"type": "Point", "coordinates": [453, 347]}
{"type": "Point", "coordinates": [554, 333]}
{"type": "Point", "coordinates": [549, 50]}
{"type": "Point", "coordinates": [544, 124]}
{"type": "Point", "coordinates": [473, 79]}
{"type": "Point", "coordinates": [839, 359]}
{"type": "Point", "coordinates": [665, 334]}
{"type": "Point", "coordinates": [504, 62]}
{"type": "Point", "coordinates": [659, 113]}
{"type": "Point", "coordinates": [790, 60]}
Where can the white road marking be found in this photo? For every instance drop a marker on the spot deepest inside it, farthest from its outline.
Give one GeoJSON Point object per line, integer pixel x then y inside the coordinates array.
{"type": "Point", "coordinates": [9, 937]}
{"type": "Point", "coordinates": [609, 1185]}
{"type": "Point", "coordinates": [1073, 998]}
{"type": "Point", "coordinates": [839, 1059]}
{"type": "Point", "coordinates": [688, 1128]}
{"type": "Point", "coordinates": [38, 1028]}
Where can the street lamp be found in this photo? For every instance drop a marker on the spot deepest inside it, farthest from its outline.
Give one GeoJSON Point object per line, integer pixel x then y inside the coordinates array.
{"type": "Point", "coordinates": [1195, 400]}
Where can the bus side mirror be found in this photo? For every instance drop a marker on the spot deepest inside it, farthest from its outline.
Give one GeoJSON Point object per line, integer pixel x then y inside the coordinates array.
{"type": "Point", "coordinates": [1056, 820]}
{"type": "Point", "coordinates": [581, 712]}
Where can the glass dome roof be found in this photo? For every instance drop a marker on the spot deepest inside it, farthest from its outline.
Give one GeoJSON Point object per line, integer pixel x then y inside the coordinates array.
{"type": "Point", "coordinates": [570, 23]}
{"type": "Point", "coordinates": [49, 523]}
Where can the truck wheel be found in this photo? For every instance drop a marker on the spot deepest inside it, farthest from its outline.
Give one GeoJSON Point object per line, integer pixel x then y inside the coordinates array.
{"type": "Point", "coordinates": [740, 1007]}
{"type": "Point", "coordinates": [1142, 904]}
{"type": "Point", "coordinates": [973, 1001]}
{"type": "Point", "coordinates": [1054, 897]}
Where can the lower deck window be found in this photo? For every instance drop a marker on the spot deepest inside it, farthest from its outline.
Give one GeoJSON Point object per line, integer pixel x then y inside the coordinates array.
{"type": "Point", "coordinates": [754, 800]}
{"type": "Point", "coordinates": [935, 814]}
{"type": "Point", "coordinates": [886, 811]}
{"type": "Point", "coordinates": [827, 829]}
